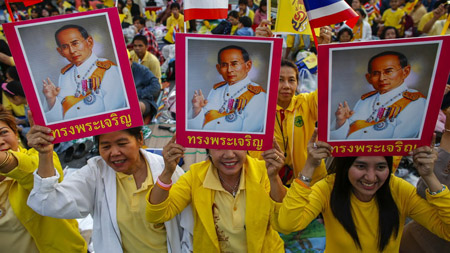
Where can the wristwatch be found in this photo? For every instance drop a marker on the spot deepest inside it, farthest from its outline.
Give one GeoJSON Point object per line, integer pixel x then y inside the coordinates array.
{"type": "Point", "coordinates": [304, 179]}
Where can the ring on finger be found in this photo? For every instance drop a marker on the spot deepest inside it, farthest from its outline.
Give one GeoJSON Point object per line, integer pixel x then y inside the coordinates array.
{"type": "Point", "coordinates": [315, 145]}
{"type": "Point", "coordinates": [276, 159]}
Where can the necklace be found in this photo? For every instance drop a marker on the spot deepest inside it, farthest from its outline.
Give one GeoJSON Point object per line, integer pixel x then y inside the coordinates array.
{"type": "Point", "coordinates": [285, 143]}
{"type": "Point", "coordinates": [381, 111]}
{"type": "Point", "coordinates": [226, 106]}
{"type": "Point", "coordinates": [79, 90]}
{"type": "Point", "coordinates": [233, 189]}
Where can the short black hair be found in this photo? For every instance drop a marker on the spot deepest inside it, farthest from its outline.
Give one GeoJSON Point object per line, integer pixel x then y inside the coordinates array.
{"type": "Point", "coordinates": [401, 57]}
{"type": "Point", "coordinates": [175, 5]}
{"type": "Point", "coordinates": [140, 19]}
{"type": "Point", "coordinates": [243, 2]}
{"type": "Point", "coordinates": [363, 12]}
{"type": "Point", "coordinates": [15, 87]}
{"type": "Point", "coordinates": [245, 21]}
{"type": "Point", "coordinates": [141, 38]}
{"type": "Point", "coordinates": [12, 72]}
{"type": "Point", "coordinates": [81, 29]}
{"type": "Point", "coordinates": [233, 14]}
{"type": "Point", "coordinates": [345, 29]}
{"type": "Point", "coordinates": [385, 29]}
{"type": "Point", "coordinates": [134, 131]}
{"type": "Point", "coordinates": [244, 52]}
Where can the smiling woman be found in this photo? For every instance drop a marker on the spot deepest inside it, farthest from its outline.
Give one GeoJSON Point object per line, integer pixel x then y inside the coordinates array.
{"type": "Point", "coordinates": [365, 206]}
{"type": "Point", "coordinates": [112, 188]}
{"type": "Point", "coordinates": [234, 199]}
{"type": "Point", "coordinates": [20, 227]}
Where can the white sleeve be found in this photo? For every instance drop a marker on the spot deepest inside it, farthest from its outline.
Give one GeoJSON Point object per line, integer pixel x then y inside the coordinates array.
{"type": "Point", "coordinates": [114, 97]}
{"type": "Point", "coordinates": [410, 119]}
{"type": "Point", "coordinates": [73, 198]}
{"type": "Point", "coordinates": [254, 114]}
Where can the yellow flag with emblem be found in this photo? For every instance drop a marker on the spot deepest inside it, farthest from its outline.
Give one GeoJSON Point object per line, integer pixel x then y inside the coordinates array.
{"type": "Point", "coordinates": [292, 18]}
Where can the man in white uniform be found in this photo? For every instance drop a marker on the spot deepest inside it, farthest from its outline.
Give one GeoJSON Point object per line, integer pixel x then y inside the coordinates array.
{"type": "Point", "coordinates": [237, 104]}
{"type": "Point", "coordinates": [391, 111]}
{"type": "Point", "coordinates": [88, 85]}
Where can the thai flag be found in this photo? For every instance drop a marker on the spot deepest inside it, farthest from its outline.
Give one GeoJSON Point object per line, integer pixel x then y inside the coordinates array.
{"type": "Point", "coordinates": [378, 6]}
{"type": "Point", "coordinates": [205, 9]}
{"type": "Point", "coordinates": [327, 12]}
{"type": "Point", "coordinates": [369, 8]}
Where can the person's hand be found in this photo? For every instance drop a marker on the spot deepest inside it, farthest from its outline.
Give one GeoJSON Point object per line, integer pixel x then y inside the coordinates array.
{"type": "Point", "coordinates": [263, 29]}
{"type": "Point", "coordinates": [439, 11]}
{"type": "Point", "coordinates": [172, 153]}
{"type": "Point", "coordinates": [198, 102]}
{"type": "Point", "coordinates": [447, 89]}
{"type": "Point", "coordinates": [274, 159]}
{"type": "Point", "coordinates": [343, 113]}
{"type": "Point", "coordinates": [424, 158]}
{"type": "Point", "coordinates": [317, 150]}
{"type": "Point", "coordinates": [50, 92]}
{"type": "Point", "coordinates": [39, 137]}
{"type": "Point", "coordinates": [325, 35]}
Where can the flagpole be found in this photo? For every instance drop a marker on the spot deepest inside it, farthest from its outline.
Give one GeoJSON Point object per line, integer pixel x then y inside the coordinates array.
{"type": "Point", "coordinates": [314, 37]}
{"type": "Point", "coordinates": [9, 11]}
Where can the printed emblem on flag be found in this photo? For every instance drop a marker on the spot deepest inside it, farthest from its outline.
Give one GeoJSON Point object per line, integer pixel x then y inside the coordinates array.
{"type": "Point", "coordinates": [299, 20]}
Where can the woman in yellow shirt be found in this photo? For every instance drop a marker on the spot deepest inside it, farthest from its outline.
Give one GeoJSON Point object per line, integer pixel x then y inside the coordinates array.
{"type": "Point", "coordinates": [233, 198]}
{"type": "Point", "coordinates": [365, 206]}
{"type": "Point", "coordinates": [21, 229]}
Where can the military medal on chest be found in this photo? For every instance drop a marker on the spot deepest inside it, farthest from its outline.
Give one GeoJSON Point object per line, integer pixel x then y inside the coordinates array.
{"type": "Point", "coordinates": [233, 106]}
{"type": "Point", "coordinates": [88, 87]}
{"type": "Point", "coordinates": [383, 114]}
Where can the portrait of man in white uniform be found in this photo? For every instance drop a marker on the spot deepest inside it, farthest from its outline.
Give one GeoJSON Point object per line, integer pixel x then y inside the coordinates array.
{"type": "Point", "coordinates": [236, 104]}
{"type": "Point", "coordinates": [391, 111]}
{"type": "Point", "coordinates": [88, 85]}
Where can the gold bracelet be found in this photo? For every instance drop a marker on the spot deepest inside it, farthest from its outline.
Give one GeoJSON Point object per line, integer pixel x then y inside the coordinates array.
{"type": "Point", "coordinates": [5, 160]}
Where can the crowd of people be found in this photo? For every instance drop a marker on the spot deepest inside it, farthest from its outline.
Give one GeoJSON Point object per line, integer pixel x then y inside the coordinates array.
{"type": "Point", "coordinates": [235, 200]}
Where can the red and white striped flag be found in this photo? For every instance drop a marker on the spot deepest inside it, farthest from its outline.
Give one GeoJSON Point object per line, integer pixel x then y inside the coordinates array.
{"type": "Point", "coordinates": [205, 9]}
{"type": "Point", "coordinates": [327, 12]}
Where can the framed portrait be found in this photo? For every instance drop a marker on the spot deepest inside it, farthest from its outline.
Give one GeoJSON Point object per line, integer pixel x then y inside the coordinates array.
{"type": "Point", "coordinates": [226, 91]}
{"type": "Point", "coordinates": [381, 97]}
{"type": "Point", "coordinates": [75, 72]}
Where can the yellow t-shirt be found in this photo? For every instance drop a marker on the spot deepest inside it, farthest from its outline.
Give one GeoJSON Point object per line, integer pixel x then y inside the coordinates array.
{"type": "Point", "coordinates": [137, 234]}
{"type": "Point", "coordinates": [18, 110]}
{"type": "Point", "coordinates": [427, 17]}
{"type": "Point", "coordinates": [228, 213]}
{"type": "Point", "coordinates": [14, 236]}
{"type": "Point", "coordinates": [393, 18]}
{"type": "Point", "coordinates": [301, 205]}
{"type": "Point", "coordinates": [172, 21]}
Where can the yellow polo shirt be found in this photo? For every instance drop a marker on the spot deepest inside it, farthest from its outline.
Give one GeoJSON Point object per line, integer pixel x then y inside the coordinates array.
{"type": "Point", "coordinates": [427, 17]}
{"type": "Point", "coordinates": [393, 18]}
{"type": "Point", "coordinates": [150, 61]}
{"type": "Point", "coordinates": [137, 234]}
{"type": "Point", "coordinates": [14, 236]}
{"type": "Point", "coordinates": [228, 213]}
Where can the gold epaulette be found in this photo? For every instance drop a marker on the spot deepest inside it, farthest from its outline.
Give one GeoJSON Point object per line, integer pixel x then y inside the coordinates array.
{"type": "Point", "coordinates": [413, 96]}
{"type": "Point", "coordinates": [66, 68]}
{"type": "Point", "coordinates": [218, 85]}
{"type": "Point", "coordinates": [255, 89]}
{"type": "Point", "coordinates": [369, 94]}
{"type": "Point", "coordinates": [105, 64]}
